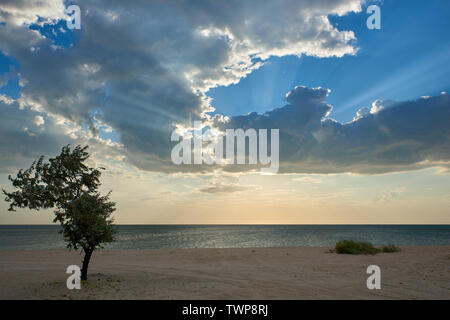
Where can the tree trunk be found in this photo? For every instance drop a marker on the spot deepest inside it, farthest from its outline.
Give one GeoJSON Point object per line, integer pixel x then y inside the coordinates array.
{"type": "Point", "coordinates": [84, 269]}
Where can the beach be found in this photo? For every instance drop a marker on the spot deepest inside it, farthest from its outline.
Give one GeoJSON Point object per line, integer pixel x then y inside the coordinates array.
{"type": "Point", "coordinates": [416, 272]}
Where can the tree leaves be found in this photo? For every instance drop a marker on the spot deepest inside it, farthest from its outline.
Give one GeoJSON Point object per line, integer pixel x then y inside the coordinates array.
{"type": "Point", "coordinates": [69, 185]}
{"type": "Point", "coordinates": [56, 183]}
{"type": "Point", "coordinates": [87, 222]}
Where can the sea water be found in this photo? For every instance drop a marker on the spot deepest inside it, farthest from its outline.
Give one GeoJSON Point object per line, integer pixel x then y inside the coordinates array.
{"type": "Point", "coordinates": [33, 237]}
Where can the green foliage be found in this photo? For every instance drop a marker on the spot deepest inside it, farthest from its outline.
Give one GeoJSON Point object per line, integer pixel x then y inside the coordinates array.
{"type": "Point", "coordinates": [390, 248]}
{"type": "Point", "coordinates": [87, 222]}
{"type": "Point", "coordinates": [54, 184]}
{"type": "Point", "coordinates": [353, 247]}
{"type": "Point", "coordinates": [67, 184]}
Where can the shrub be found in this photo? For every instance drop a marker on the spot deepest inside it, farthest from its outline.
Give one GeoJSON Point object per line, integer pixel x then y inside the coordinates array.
{"type": "Point", "coordinates": [390, 248]}
{"type": "Point", "coordinates": [353, 247]}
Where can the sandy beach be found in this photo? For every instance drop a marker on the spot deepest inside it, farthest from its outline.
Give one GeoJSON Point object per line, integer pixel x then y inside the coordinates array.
{"type": "Point", "coordinates": [421, 272]}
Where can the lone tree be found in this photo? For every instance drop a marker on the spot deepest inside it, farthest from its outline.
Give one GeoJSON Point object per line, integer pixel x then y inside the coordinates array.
{"type": "Point", "coordinates": [67, 184]}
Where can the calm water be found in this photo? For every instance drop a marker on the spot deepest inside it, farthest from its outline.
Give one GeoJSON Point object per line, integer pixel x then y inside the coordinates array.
{"type": "Point", "coordinates": [232, 236]}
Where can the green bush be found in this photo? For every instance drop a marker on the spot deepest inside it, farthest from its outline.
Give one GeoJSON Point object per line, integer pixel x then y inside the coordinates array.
{"type": "Point", "coordinates": [390, 248]}
{"type": "Point", "coordinates": [353, 247]}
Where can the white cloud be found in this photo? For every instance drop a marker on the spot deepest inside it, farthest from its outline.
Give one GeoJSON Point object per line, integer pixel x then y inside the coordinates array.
{"type": "Point", "coordinates": [6, 100]}
{"type": "Point", "coordinates": [20, 12]}
{"type": "Point", "coordinates": [38, 120]}
{"type": "Point", "coordinates": [379, 105]}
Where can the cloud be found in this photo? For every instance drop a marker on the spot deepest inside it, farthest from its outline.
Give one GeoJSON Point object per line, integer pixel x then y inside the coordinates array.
{"type": "Point", "coordinates": [24, 137]}
{"type": "Point", "coordinates": [221, 187]}
{"type": "Point", "coordinates": [138, 74]}
{"type": "Point", "coordinates": [19, 141]}
{"type": "Point", "coordinates": [39, 121]}
{"type": "Point", "coordinates": [144, 73]}
{"type": "Point", "coordinates": [399, 136]}
{"type": "Point", "coordinates": [219, 182]}
{"type": "Point", "coordinates": [388, 196]}
{"type": "Point", "coordinates": [4, 99]}
{"type": "Point", "coordinates": [20, 12]}
{"type": "Point", "coordinates": [307, 180]}
{"type": "Point", "coordinates": [304, 95]}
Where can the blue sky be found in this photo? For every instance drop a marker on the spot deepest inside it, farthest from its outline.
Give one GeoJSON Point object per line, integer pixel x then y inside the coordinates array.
{"type": "Point", "coordinates": [408, 58]}
{"type": "Point", "coordinates": [8, 69]}
{"type": "Point", "coordinates": [60, 36]}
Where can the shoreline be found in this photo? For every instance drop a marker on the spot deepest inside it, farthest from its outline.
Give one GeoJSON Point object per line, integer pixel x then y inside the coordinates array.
{"type": "Point", "coordinates": [416, 272]}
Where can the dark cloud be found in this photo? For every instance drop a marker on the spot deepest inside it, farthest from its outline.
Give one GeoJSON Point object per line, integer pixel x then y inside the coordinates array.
{"type": "Point", "coordinates": [394, 137]}
{"type": "Point", "coordinates": [145, 67]}
{"type": "Point", "coordinates": [144, 73]}
{"type": "Point", "coordinates": [21, 139]}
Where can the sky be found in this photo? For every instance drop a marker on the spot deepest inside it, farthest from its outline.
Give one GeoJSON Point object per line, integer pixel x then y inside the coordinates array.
{"type": "Point", "coordinates": [363, 113]}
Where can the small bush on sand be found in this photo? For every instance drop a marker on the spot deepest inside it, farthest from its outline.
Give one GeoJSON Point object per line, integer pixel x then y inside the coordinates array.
{"type": "Point", "coordinates": [353, 247]}
{"type": "Point", "coordinates": [390, 248]}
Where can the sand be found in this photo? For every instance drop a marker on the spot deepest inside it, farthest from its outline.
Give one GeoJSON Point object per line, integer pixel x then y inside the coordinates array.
{"type": "Point", "coordinates": [248, 273]}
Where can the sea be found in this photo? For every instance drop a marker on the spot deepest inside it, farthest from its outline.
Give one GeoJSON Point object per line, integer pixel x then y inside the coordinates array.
{"type": "Point", "coordinates": [37, 237]}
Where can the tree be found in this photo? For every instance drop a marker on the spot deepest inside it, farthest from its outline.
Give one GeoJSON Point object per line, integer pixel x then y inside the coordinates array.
{"type": "Point", "coordinates": [68, 185]}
